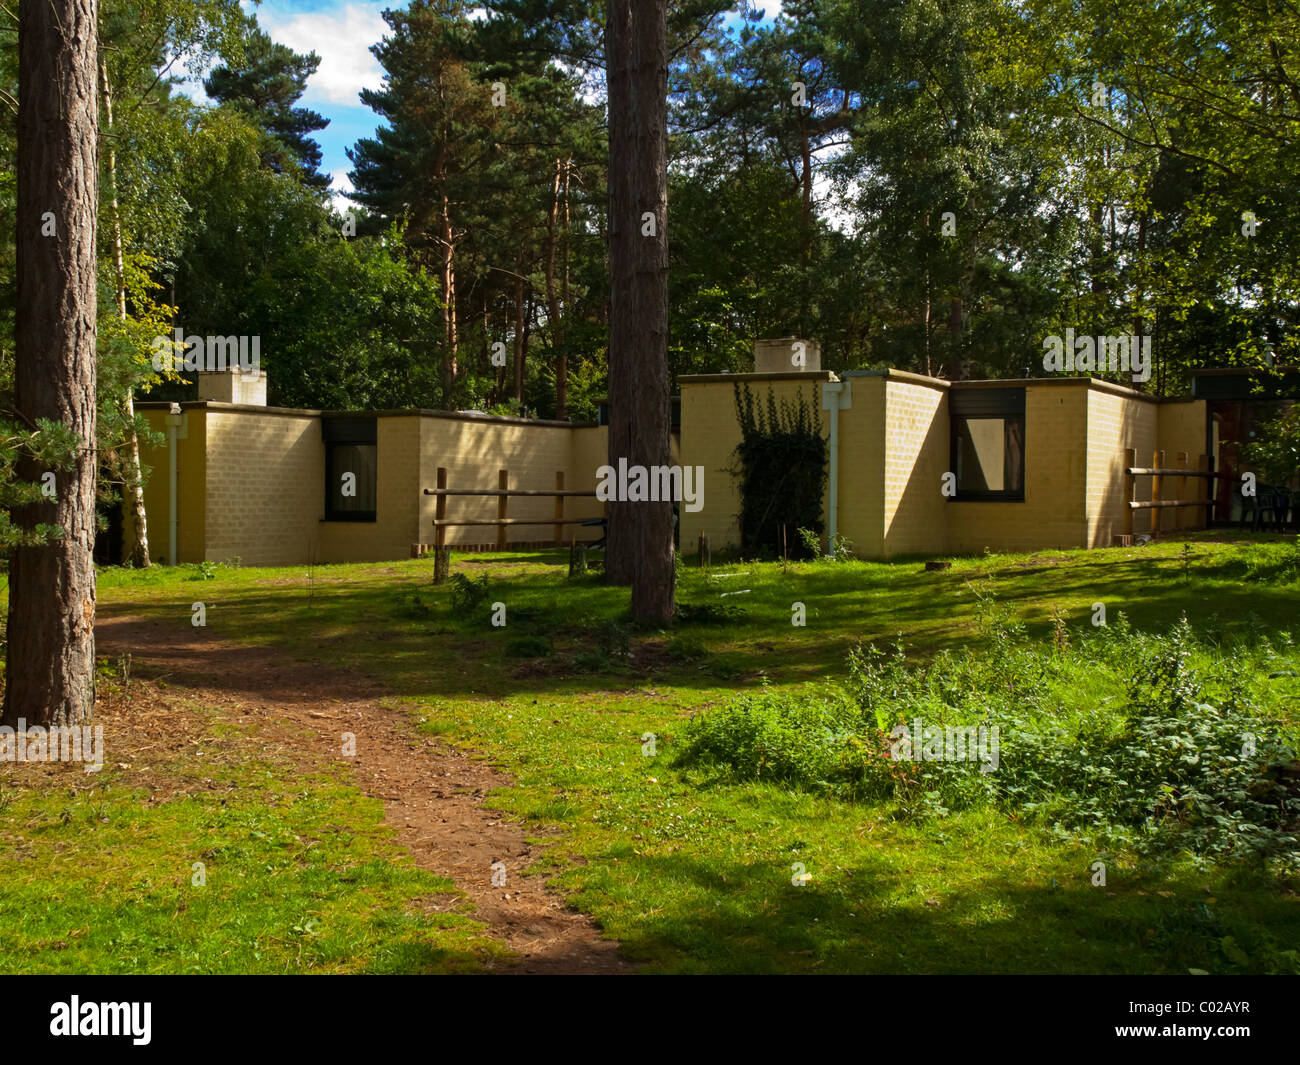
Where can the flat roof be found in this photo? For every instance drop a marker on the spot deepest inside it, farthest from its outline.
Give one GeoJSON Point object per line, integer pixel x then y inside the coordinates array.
{"type": "Point", "coordinates": [412, 412]}
{"type": "Point", "coordinates": [930, 382]}
{"type": "Point", "coordinates": [784, 375]}
{"type": "Point", "coordinates": [1055, 382]}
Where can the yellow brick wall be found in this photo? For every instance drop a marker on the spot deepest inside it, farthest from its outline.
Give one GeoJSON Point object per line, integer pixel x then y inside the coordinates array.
{"type": "Point", "coordinates": [709, 435]}
{"type": "Point", "coordinates": [1116, 422]}
{"type": "Point", "coordinates": [251, 481]}
{"type": "Point", "coordinates": [473, 451]}
{"type": "Point", "coordinates": [1182, 428]}
{"type": "Point", "coordinates": [252, 484]}
{"type": "Point", "coordinates": [191, 465]}
{"type": "Point", "coordinates": [1052, 515]}
{"type": "Point", "coordinates": [861, 489]}
{"type": "Point", "coordinates": [916, 457]}
{"type": "Point", "coordinates": [589, 450]}
{"type": "Point", "coordinates": [397, 500]}
{"type": "Point", "coordinates": [265, 486]}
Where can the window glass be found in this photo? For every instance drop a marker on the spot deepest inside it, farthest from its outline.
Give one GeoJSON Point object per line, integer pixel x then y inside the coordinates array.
{"type": "Point", "coordinates": [350, 481]}
{"type": "Point", "coordinates": [989, 457]}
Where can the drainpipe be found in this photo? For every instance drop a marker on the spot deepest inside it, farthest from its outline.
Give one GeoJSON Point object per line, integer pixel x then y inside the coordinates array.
{"type": "Point", "coordinates": [836, 396]}
{"type": "Point", "coordinates": [173, 518]}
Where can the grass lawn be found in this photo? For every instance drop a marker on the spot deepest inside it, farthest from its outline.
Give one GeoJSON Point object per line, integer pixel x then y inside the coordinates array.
{"type": "Point", "coordinates": [692, 870]}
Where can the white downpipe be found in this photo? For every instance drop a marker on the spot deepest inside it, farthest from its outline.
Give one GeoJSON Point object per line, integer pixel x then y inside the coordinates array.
{"type": "Point", "coordinates": [836, 395]}
{"type": "Point", "coordinates": [173, 517]}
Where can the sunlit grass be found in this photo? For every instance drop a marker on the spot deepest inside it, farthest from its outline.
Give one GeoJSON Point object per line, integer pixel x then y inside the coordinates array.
{"type": "Point", "coordinates": [696, 875]}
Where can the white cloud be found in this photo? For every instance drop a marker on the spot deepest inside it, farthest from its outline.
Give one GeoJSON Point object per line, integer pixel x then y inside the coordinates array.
{"type": "Point", "coordinates": [340, 185]}
{"type": "Point", "coordinates": [191, 83]}
{"type": "Point", "coordinates": [342, 38]}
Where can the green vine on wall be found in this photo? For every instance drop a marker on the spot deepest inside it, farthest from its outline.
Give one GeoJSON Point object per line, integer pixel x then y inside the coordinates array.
{"type": "Point", "coordinates": [781, 472]}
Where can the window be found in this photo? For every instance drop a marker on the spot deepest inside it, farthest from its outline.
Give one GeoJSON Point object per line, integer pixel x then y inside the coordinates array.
{"type": "Point", "coordinates": [988, 443]}
{"type": "Point", "coordinates": [351, 468]}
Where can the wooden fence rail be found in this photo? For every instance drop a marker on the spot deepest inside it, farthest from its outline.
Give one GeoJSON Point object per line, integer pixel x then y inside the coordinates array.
{"type": "Point", "coordinates": [1202, 476]}
{"type": "Point", "coordinates": [503, 493]}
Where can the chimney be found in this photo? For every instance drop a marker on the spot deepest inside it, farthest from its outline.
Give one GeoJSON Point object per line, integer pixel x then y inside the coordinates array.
{"type": "Point", "coordinates": [232, 386]}
{"type": "Point", "coordinates": [787, 355]}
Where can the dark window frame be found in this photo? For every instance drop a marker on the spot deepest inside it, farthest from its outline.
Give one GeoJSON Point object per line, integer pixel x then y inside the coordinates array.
{"type": "Point", "coordinates": [349, 432]}
{"type": "Point", "coordinates": [1006, 405]}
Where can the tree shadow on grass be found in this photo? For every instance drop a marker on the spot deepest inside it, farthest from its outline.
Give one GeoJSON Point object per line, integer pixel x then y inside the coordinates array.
{"type": "Point", "coordinates": [750, 918]}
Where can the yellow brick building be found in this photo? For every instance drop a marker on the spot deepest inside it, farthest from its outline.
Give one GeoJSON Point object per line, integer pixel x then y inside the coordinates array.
{"type": "Point", "coordinates": [256, 483]}
{"type": "Point", "coordinates": [921, 466]}
{"type": "Point", "coordinates": [926, 466]}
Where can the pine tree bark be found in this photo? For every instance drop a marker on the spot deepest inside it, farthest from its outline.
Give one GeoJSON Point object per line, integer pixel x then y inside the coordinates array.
{"type": "Point", "coordinates": [639, 546]}
{"type": "Point", "coordinates": [51, 655]}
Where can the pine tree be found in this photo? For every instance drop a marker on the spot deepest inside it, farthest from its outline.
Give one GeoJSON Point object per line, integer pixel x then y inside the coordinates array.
{"type": "Point", "coordinates": [50, 672]}
{"type": "Point", "coordinates": [265, 87]}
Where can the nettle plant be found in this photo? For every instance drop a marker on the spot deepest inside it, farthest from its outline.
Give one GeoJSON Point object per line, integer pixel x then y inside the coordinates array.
{"type": "Point", "coordinates": [1191, 765]}
{"type": "Point", "coordinates": [1152, 742]}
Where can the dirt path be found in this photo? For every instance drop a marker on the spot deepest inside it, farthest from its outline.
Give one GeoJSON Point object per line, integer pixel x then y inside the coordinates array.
{"type": "Point", "coordinates": [433, 794]}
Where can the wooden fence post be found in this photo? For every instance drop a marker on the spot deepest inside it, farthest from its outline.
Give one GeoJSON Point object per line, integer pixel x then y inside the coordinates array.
{"type": "Point", "coordinates": [1130, 490]}
{"type": "Point", "coordinates": [1157, 461]}
{"type": "Point", "coordinates": [440, 511]}
{"type": "Point", "coordinates": [1179, 520]}
{"type": "Point", "coordinates": [1210, 488]}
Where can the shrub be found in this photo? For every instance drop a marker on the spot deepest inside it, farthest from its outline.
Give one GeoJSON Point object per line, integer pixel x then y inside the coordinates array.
{"type": "Point", "coordinates": [203, 571]}
{"type": "Point", "coordinates": [467, 594]}
{"type": "Point", "coordinates": [1177, 757]}
{"type": "Point", "coordinates": [1178, 772]}
{"type": "Point", "coordinates": [790, 738]}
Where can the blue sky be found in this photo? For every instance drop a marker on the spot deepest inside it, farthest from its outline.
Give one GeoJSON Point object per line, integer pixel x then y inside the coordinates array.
{"type": "Point", "coordinates": [341, 33]}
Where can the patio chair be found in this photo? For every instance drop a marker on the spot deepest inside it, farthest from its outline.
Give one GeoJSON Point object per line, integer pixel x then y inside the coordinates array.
{"type": "Point", "coordinates": [1270, 505]}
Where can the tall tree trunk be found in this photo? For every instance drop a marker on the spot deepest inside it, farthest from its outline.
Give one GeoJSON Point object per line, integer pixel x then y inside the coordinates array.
{"type": "Point", "coordinates": [51, 657]}
{"type": "Point", "coordinates": [519, 327]}
{"type": "Point", "coordinates": [925, 320]}
{"type": "Point", "coordinates": [925, 309]}
{"type": "Point", "coordinates": [135, 538]}
{"type": "Point", "coordinates": [552, 299]}
{"type": "Point", "coordinates": [449, 298]}
{"type": "Point", "coordinates": [562, 364]}
{"type": "Point", "coordinates": [639, 548]}
{"type": "Point", "coordinates": [805, 227]}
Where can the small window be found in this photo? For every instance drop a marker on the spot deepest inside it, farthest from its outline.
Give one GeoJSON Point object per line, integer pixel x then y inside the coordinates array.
{"type": "Point", "coordinates": [988, 444]}
{"type": "Point", "coordinates": [351, 469]}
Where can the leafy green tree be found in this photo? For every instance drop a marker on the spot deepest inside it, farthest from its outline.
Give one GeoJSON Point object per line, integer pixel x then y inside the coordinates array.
{"type": "Point", "coordinates": [265, 87]}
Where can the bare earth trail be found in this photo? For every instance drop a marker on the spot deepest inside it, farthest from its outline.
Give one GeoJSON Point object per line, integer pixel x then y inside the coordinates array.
{"type": "Point", "coordinates": [433, 794]}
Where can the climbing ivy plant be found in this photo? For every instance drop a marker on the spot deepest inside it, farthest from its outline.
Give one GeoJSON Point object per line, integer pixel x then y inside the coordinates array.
{"type": "Point", "coordinates": [781, 470]}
